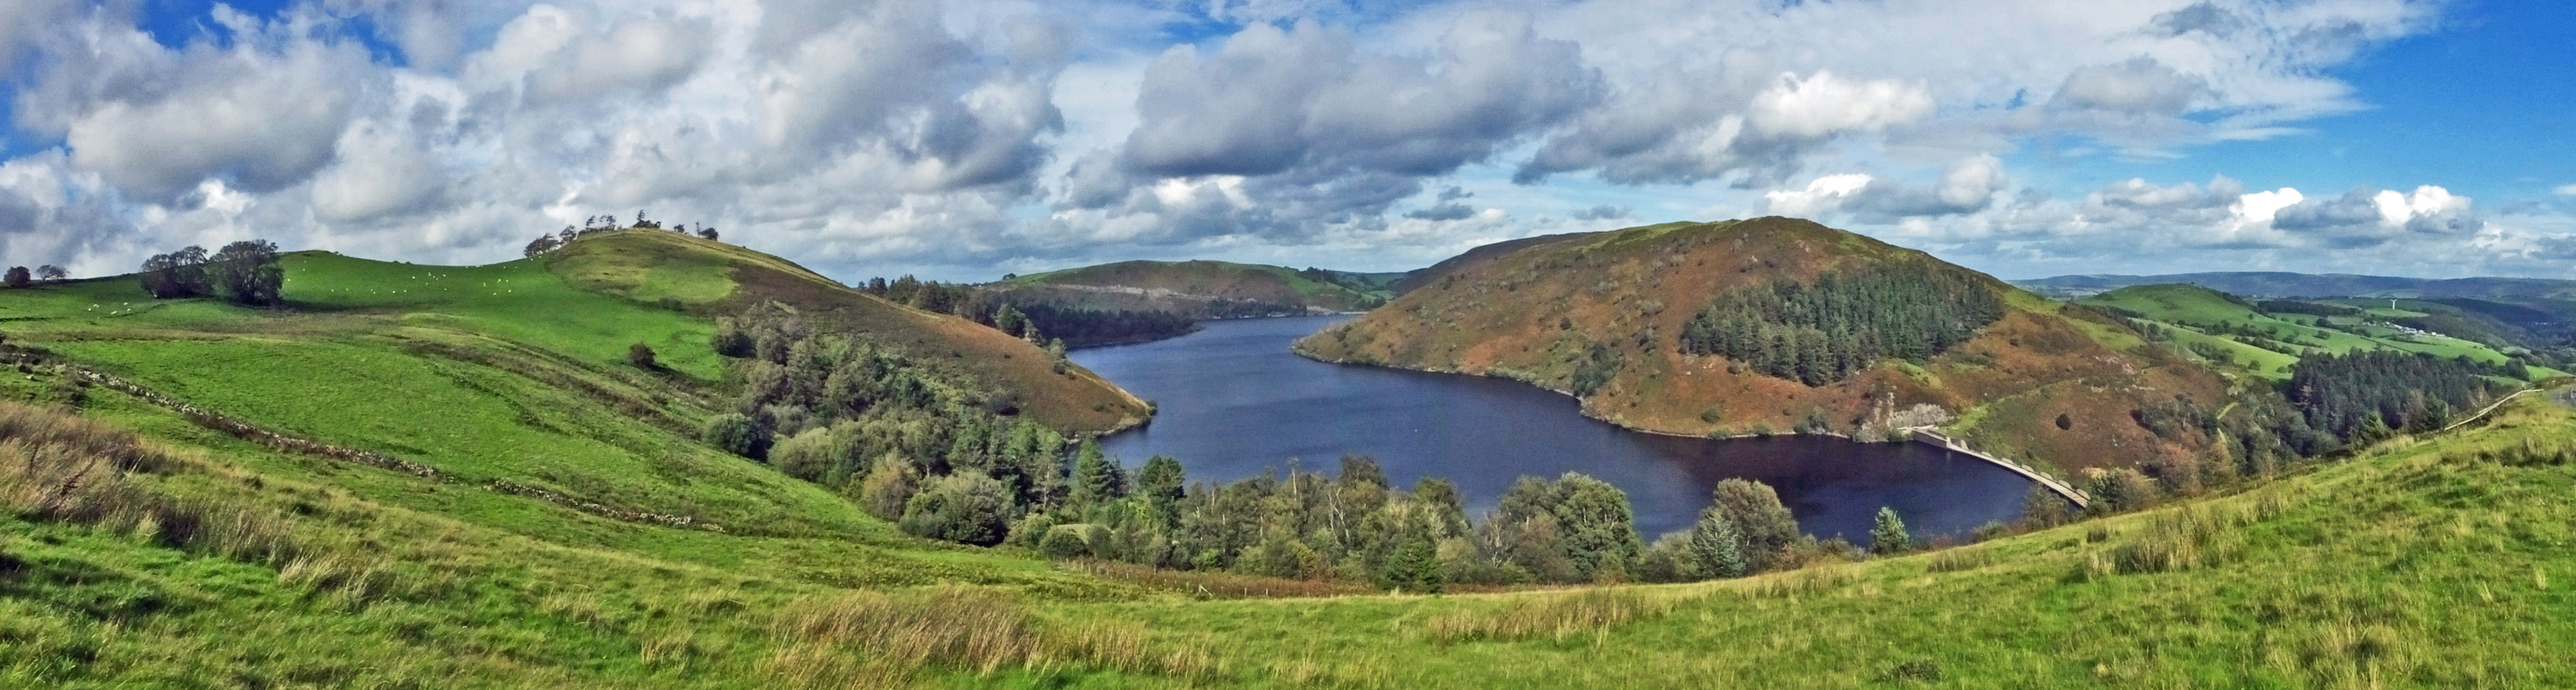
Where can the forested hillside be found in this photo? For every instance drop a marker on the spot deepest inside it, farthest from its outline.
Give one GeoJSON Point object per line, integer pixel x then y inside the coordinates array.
{"type": "Point", "coordinates": [1776, 324]}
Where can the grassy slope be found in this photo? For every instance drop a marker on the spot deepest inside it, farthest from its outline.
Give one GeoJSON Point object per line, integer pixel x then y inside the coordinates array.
{"type": "Point", "coordinates": [2415, 566]}
{"type": "Point", "coordinates": [1532, 313]}
{"type": "Point", "coordinates": [1213, 279]}
{"type": "Point", "coordinates": [2191, 306]}
{"type": "Point", "coordinates": [706, 278]}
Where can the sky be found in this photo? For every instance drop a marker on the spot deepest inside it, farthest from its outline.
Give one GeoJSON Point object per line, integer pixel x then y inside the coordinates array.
{"type": "Point", "coordinates": [963, 139]}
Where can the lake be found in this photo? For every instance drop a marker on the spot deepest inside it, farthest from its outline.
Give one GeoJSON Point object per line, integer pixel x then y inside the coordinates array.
{"type": "Point", "coordinates": [1234, 402]}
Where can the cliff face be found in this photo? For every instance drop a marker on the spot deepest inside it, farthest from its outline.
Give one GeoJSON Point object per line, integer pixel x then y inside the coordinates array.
{"type": "Point", "coordinates": [1604, 314]}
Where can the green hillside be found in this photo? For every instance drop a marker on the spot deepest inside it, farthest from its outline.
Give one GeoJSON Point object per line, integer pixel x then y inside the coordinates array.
{"type": "Point", "coordinates": [2267, 343]}
{"type": "Point", "coordinates": [438, 477]}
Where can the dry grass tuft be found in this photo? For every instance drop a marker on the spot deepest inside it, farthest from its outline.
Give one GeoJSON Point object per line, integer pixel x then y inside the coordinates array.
{"type": "Point", "coordinates": [1955, 560]}
{"type": "Point", "coordinates": [1556, 616]}
{"type": "Point", "coordinates": [59, 466]}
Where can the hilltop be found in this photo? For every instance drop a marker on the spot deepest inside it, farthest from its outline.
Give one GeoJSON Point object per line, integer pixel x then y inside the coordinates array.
{"type": "Point", "coordinates": [1616, 318]}
{"type": "Point", "coordinates": [1202, 289]}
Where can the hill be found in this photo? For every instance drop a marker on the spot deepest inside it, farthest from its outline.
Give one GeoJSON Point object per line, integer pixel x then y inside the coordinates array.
{"type": "Point", "coordinates": [2424, 562]}
{"type": "Point", "coordinates": [1202, 289]}
{"type": "Point", "coordinates": [2268, 337]}
{"type": "Point", "coordinates": [1611, 317]}
{"type": "Point", "coordinates": [2282, 284]}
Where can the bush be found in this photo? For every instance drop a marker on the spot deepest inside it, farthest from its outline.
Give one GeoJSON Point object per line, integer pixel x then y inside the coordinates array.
{"type": "Point", "coordinates": [18, 277]}
{"type": "Point", "coordinates": [1066, 541]}
{"type": "Point", "coordinates": [967, 508]}
{"type": "Point", "coordinates": [738, 434]}
{"type": "Point", "coordinates": [888, 488]}
{"type": "Point", "coordinates": [810, 455]}
{"type": "Point", "coordinates": [641, 356]}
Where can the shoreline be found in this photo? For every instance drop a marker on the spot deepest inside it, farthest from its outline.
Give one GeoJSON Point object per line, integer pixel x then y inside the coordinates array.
{"type": "Point", "coordinates": [1579, 407]}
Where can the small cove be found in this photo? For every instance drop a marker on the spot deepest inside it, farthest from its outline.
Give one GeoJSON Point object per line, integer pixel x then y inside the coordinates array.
{"type": "Point", "coordinates": [1235, 402]}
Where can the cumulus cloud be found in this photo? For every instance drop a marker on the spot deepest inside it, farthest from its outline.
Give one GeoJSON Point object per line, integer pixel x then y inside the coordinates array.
{"type": "Point", "coordinates": [1443, 212]}
{"type": "Point", "coordinates": [888, 135]}
{"type": "Point", "coordinates": [2140, 85]}
{"type": "Point", "coordinates": [1603, 212]}
{"type": "Point", "coordinates": [1273, 98]}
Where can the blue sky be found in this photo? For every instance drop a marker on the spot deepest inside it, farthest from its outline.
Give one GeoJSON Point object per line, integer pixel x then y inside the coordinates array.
{"type": "Point", "coordinates": [962, 139]}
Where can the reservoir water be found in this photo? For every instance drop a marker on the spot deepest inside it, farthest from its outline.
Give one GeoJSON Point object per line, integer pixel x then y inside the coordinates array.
{"type": "Point", "coordinates": [1235, 402]}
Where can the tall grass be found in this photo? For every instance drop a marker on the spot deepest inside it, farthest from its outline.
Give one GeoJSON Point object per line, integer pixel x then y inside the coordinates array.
{"type": "Point", "coordinates": [58, 466]}
{"type": "Point", "coordinates": [1555, 616]}
{"type": "Point", "coordinates": [875, 639]}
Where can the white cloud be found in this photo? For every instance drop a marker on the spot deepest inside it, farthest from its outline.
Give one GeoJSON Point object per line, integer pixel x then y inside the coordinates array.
{"type": "Point", "coordinates": [1820, 194]}
{"type": "Point", "coordinates": [1823, 105]}
{"type": "Point", "coordinates": [2566, 190]}
{"type": "Point", "coordinates": [959, 135]}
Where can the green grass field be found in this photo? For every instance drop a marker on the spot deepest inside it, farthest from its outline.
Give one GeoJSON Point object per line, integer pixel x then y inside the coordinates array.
{"type": "Point", "coordinates": [2420, 563]}
{"type": "Point", "coordinates": [2190, 311]}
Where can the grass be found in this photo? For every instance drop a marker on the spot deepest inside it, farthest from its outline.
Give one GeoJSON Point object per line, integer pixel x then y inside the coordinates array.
{"type": "Point", "coordinates": [138, 549]}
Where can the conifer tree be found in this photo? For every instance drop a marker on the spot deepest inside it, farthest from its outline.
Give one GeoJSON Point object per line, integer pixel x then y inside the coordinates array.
{"type": "Point", "coordinates": [1716, 546]}
{"type": "Point", "coordinates": [1888, 537]}
{"type": "Point", "coordinates": [1096, 479]}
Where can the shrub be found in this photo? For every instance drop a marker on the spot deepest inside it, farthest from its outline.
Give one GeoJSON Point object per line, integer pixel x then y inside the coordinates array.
{"type": "Point", "coordinates": [889, 488]}
{"type": "Point", "coordinates": [18, 277]}
{"type": "Point", "coordinates": [809, 455]}
{"type": "Point", "coordinates": [1066, 541]}
{"type": "Point", "coordinates": [966, 507]}
{"type": "Point", "coordinates": [738, 434]}
{"type": "Point", "coordinates": [641, 355]}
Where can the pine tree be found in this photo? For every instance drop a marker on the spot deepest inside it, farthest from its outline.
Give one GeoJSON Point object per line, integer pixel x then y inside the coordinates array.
{"type": "Point", "coordinates": [1096, 480]}
{"type": "Point", "coordinates": [1415, 567]}
{"type": "Point", "coordinates": [1888, 536]}
{"type": "Point", "coordinates": [1716, 547]}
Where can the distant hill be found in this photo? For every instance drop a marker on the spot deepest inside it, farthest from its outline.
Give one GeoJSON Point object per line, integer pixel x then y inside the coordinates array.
{"type": "Point", "coordinates": [2278, 284]}
{"type": "Point", "coordinates": [1202, 289]}
{"type": "Point", "coordinates": [2266, 337]}
{"type": "Point", "coordinates": [1634, 323]}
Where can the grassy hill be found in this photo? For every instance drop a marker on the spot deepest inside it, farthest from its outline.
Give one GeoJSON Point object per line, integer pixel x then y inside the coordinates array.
{"type": "Point", "coordinates": [196, 559]}
{"type": "Point", "coordinates": [1191, 287]}
{"type": "Point", "coordinates": [2267, 344]}
{"type": "Point", "coordinates": [1612, 305]}
{"type": "Point", "coordinates": [2281, 284]}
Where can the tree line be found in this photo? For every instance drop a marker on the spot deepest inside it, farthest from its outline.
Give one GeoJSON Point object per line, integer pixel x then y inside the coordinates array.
{"type": "Point", "coordinates": [245, 272]}
{"type": "Point", "coordinates": [916, 442]}
{"type": "Point", "coordinates": [597, 224]}
{"type": "Point", "coordinates": [1843, 322]}
{"type": "Point", "coordinates": [19, 276]}
{"type": "Point", "coordinates": [2369, 394]}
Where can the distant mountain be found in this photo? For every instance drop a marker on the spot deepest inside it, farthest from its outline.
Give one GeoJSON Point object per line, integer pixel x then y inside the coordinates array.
{"type": "Point", "coordinates": [1779, 323]}
{"type": "Point", "coordinates": [1203, 289]}
{"type": "Point", "coordinates": [2279, 284]}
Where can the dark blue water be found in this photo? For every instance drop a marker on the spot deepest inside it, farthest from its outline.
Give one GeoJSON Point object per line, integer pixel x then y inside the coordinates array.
{"type": "Point", "coordinates": [1234, 401]}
